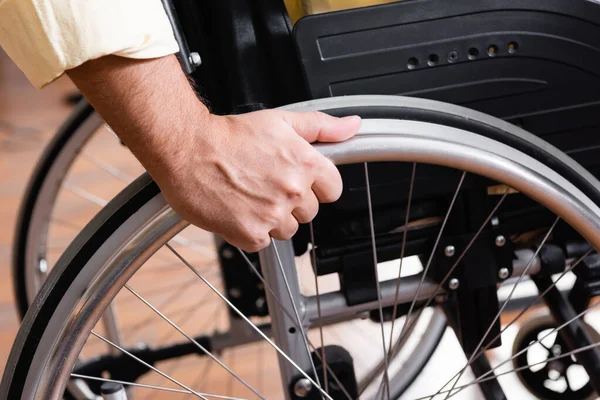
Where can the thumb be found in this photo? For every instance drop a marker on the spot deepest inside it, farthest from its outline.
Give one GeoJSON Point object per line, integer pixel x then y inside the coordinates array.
{"type": "Point", "coordinates": [320, 127]}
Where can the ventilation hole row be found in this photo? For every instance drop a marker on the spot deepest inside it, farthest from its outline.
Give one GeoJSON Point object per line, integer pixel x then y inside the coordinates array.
{"type": "Point", "coordinates": [453, 56]}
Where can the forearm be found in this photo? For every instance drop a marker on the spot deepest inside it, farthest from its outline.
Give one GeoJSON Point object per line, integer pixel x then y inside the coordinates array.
{"type": "Point", "coordinates": [245, 177]}
{"type": "Point", "coordinates": [148, 103]}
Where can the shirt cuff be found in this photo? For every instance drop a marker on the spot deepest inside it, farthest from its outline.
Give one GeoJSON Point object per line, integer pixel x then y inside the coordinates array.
{"type": "Point", "coordinates": [47, 37]}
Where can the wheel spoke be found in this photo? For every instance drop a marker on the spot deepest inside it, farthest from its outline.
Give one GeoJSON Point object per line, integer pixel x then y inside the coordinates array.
{"type": "Point", "coordinates": [203, 375]}
{"type": "Point", "coordinates": [482, 379]}
{"type": "Point", "coordinates": [106, 167]}
{"type": "Point", "coordinates": [66, 224]}
{"type": "Point", "coordinates": [142, 385]}
{"type": "Point", "coordinates": [169, 371]}
{"type": "Point", "coordinates": [539, 340]}
{"type": "Point", "coordinates": [430, 259]}
{"type": "Point", "coordinates": [540, 296]}
{"type": "Point", "coordinates": [100, 202]}
{"type": "Point", "coordinates": [287, 313]}
{"type": "Point", "coordinates": [319, 319]}
{"type": "Point", "coordinates": [402, 249]}
{"type": "Point", "coordinates": [188, 313]}
{"type": "Point", "coordinates": [84, 194]}
{"type": "Point", "coordinates": [144, 323]}
{"type": "Point", "coordinates": [409, 322]}
{"type": "Point", "coordinates": [529, 305]}
{"type": "Point", "coordinates": [386, 378]}
{"type": "Point", "coordinates": [148, 366]}
{"type": "Point", "coordinates": [252, 325]}
{"type": "Point", "coordinates": [489, 329]}
{"type": "Point", "coordinates": [197, 247]}
{"type": "Point", "coordinates": [192, 340]}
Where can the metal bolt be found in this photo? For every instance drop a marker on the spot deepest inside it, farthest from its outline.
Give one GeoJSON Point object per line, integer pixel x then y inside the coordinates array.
{"type": "Point", "coordinates": [43, 266]}
{"type": "Point", "coordinates": [556, 350]}
{"type": "Point", "coordinates": [227, 253]}
{"type": "Point", "coordinates": [195, 59]}
{"type": "Point", "coordinates": [503, 273]}
{"type": "Point", "coordinates": [449, 250]}
{"type": "Point", "coordinates": [260, 303]}
{"type": "Point", "coordinates": [302, 387]}
{"type": "Point", "coordinates": [495, 221]}
{"type": "Point", "coordinates": [500, 240]}
{"type": "Point", "coordinates": [453, 284]}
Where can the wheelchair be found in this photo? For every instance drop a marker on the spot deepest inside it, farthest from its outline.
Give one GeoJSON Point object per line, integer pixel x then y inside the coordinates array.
{"type": "Point", "coordinates": [469, 220]}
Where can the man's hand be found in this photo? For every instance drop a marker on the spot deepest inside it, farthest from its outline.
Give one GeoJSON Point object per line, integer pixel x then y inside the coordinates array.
{"type": "Point", "coordinates": [250, 176]}
{"type": "Point", "coordinates": [245, 177]}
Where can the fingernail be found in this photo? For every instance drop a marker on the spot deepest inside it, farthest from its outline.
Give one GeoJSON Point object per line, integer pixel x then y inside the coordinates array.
{"type": "Point", "coordinates": [351, 118]}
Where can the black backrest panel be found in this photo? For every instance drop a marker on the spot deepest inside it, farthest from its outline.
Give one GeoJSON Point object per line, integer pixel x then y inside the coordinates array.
{"type": "Point", "coordinates": [534, 63]}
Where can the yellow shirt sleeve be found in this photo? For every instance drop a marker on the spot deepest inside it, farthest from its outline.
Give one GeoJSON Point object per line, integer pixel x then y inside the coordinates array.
{"type": "Point", "coordinates": [47, 37]}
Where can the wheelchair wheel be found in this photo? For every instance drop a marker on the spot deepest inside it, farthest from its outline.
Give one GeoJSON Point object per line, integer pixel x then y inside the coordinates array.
{"type": "Point", "coordinates": [59, 201]}
{"type": "Point", "coordinates": [533, 214]}
{"type": "Point", "coordinates": [557, 379]}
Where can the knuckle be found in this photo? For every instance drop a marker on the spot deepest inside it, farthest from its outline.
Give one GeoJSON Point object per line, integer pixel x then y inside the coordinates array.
{"type": "Point", "coordinates": [294, 190]}
{"type": "Point", "coordinates": [318, 116]}
{"type": "Point", "coordinates": [257, 243]}
{"type": "Point", "coordinates": [261, 243]}
{"type": "Point", "coordinates": [253, 233]}
{"type": "Point", "coordinates": [310, 160]}
{"type": "Point", "coordinates": [274, 215]}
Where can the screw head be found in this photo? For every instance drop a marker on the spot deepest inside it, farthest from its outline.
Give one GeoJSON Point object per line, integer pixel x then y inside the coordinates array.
{"type": "Point", "coordinates": [500, 240]}
{"type": "Point", "coordinates": [260, 303]}
{"type": "Point", "coordinates": [453, 56]}
{"type": "Point", "coordinates": [449, 250]}
{"type": "Point", "coordinates": [195, 59]}
{"type": "Point", "coordinates": [503, 273]}
{"type": "Point", "coordinates": [453, 284]}
{"type": "Point", "coordinates": [302, 387]}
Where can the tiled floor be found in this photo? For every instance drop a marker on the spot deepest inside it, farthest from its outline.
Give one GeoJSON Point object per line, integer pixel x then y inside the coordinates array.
{"type": "Point", "coordinates": [28, 118]}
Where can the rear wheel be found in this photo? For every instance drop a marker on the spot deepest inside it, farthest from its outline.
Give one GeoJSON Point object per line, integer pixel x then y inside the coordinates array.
{"type": "Point", "coordinates": [81, 169]}
{"type": "Point", "coordinates": [103, 263]}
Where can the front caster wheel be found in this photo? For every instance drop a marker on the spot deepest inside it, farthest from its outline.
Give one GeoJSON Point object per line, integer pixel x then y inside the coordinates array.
{"type": "Point", "coordinates": [560, 377]}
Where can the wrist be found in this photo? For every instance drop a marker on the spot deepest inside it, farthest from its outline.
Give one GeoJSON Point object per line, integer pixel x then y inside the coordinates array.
{"type": "Point", "coordinates": [168, 144]}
